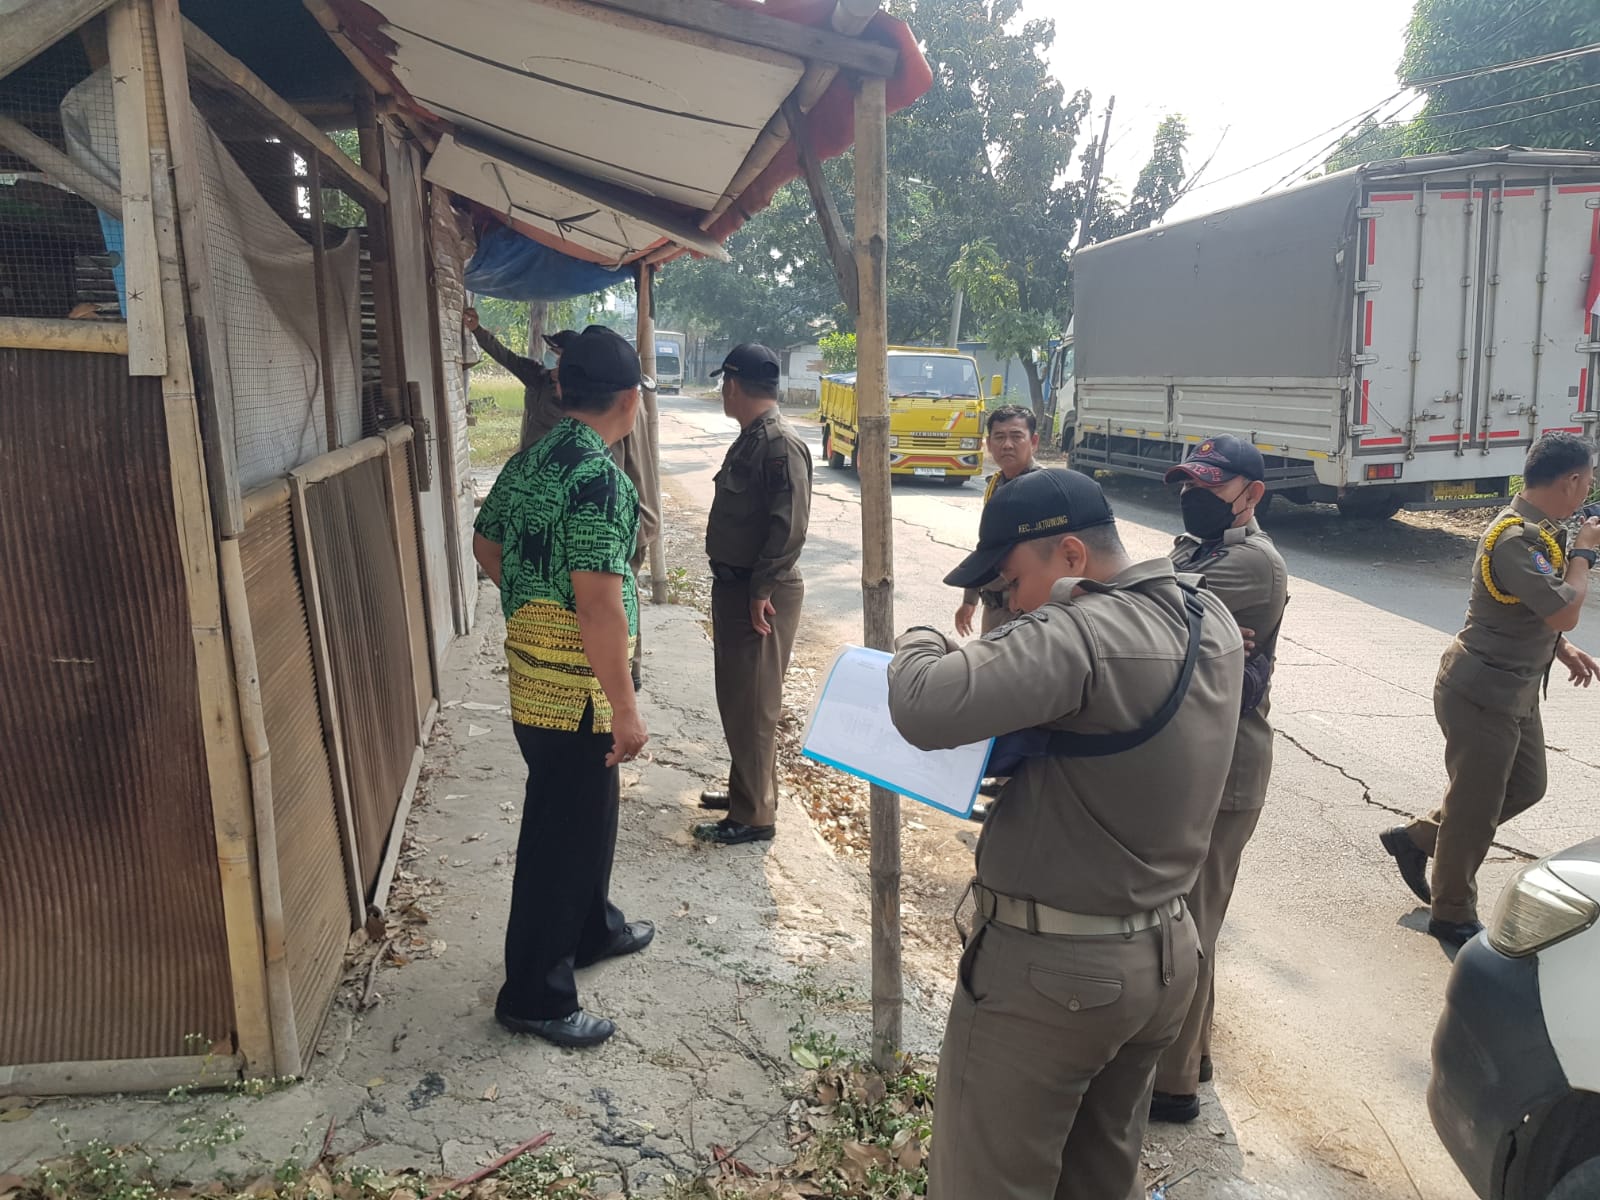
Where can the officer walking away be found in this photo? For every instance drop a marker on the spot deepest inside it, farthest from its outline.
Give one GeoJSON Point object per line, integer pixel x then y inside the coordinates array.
{"type": "Point", "coordinates": [1222, 484]}
{"type": "Point", "coordinates": [540, 411]}
{"type": "Point", "coordinates": [555, 535]}
{"type": "Point", "coordinates": [1013, 441]}
{"type": "Point", "coordinates": [754, 537]}
{"type": "Point", "coordinates": [1115, 699]}
{"type": "Point", "coordinates": [1528, 588]}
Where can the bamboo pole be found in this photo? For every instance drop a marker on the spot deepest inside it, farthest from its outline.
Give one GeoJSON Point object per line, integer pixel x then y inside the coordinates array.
{"type": "Point", "coordinates": [227, 765]}
{"type": "Point", "coordinates": [652, 413]}
{"type": "Point", "coordinates": [319, 271]}
{"type": "Point", "coordinates": [877, 538]}
{"type": "Point", "coordinates": [87, 337]}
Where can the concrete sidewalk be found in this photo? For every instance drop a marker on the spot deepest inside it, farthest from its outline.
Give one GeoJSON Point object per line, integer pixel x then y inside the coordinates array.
{"type": "Point", "coordinates": [753, 951]}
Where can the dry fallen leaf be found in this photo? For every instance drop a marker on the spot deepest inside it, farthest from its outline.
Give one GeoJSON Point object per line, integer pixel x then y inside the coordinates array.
{"type": "Point", "coordinates": [16, 1114]}
{"type": "Point", "coordinates": [473, 837]}
{"type": "Point", "coordinates": [492, 1092]}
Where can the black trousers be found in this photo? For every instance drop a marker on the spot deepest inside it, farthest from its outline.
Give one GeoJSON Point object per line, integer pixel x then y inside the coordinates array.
{"type": "Point", "coordinates": [561, 916]}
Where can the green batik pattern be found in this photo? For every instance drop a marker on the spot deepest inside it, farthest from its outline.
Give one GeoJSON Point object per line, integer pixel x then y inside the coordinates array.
{"type": "Point", "coordinates": [562, 505]}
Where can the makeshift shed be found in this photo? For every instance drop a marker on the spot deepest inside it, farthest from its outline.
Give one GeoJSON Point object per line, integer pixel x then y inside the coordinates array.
{"type": "Point", "coordinates": [233, 470]}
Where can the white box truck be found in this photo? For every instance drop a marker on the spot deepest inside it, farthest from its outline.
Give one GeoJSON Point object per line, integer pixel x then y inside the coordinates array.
{"type": "Point", "coordinates": [1392, 335]}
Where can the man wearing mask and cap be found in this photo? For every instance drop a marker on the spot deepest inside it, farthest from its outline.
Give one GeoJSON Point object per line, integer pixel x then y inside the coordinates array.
{"type": "Point", "coordinates": [1107, 695]}
{"type": "Point", "coordinates": [1223, 481]}
{"type": "Point", "coordinates": [754, 537]}
{"type": "Point", "coordinates": [554, 535]}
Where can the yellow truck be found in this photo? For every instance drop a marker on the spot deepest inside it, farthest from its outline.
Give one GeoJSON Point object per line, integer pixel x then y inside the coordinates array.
{"type": "Point", "coordinates": [935, 415]}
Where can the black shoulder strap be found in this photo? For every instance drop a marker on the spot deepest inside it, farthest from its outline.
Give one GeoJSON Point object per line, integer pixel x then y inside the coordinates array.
{"type": "Point", "coordinates": [1066, 743]}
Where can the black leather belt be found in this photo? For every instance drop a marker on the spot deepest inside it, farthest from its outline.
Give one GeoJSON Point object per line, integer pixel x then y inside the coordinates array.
{"type": "Point", "coordinates": [726, 574]}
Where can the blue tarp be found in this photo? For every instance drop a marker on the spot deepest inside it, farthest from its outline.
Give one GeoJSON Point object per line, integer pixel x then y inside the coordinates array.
{"type": "Point", "coordinates": [509, 266]}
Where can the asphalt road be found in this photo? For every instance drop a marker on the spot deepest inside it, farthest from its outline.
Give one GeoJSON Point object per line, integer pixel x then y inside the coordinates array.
{"type": "Point", "coordinates": [1328, 988]}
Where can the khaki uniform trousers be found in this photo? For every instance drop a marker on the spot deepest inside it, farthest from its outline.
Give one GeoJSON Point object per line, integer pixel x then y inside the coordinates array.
{"type": "Point", "coordinates": [1179, 1071]}
{"type": "Point", "coordinates": [1496, 765]}
{"type": "Point", "coordinates": [749, 677]}
{"type": "Point", "coordinates": [1048, 1061]}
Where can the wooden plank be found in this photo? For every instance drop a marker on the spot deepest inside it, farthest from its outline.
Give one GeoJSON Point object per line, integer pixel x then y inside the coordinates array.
{"type": "Point", "coordinates": [756, 28]}
{"type": "Point", "coordinates": [119, 1075]}
{"type": "Point", "coordinates": [327, 701]}
{"type": "Point", "coordinates": [214, 390]}
{"type": "Point", "coordinates": [329, 20]}
{"type": "Point", "coordinates": [34, 28]}
{"type": "Point", "coordinates": [877, 539]}
{"type": "Point", "coordinates": [60, 168]}
{"type": "Point", "coordinates": [238, 80]}
{"type": "Point", "coordinates": [147, 339]}
{"type": "Point", "coordinates": [40, 333]}
{"type": "Point", "coordinates": [644, 279]}
{"type": "Point", "coordinates": [397, 831]}
{"type": "Point", "coordinates": [227, 770]}
{"type": "Point", "coordinates": [450, 484]}
{"type": "Point", "coordinates": [840, 251]}
{"type": "Point", "coordinates": [392, 503]}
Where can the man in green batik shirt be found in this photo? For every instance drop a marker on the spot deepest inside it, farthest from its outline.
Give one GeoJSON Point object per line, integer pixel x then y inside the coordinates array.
{"type": "Point", "coordinates": [555, 535]}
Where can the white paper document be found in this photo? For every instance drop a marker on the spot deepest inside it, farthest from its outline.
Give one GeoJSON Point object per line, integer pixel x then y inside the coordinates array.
{"type": "Point", "coordinates": [850, 729]}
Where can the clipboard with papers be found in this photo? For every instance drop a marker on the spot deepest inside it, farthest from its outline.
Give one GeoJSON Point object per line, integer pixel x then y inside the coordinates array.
{"type": "Point", "coordinates": [849, 729]}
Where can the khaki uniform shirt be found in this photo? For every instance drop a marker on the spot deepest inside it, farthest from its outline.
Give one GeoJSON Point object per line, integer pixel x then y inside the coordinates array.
{"type": "Point", "coordinates": [1110, 836]}
{"type": "Point", "coordinates": [996, 481]}
{"type": "Point", "coordinates": [762, 504]}
{"type": "Point", "coordinates": [1247, 574]}
{"type": "Point", "coordinates": [1500, 658]}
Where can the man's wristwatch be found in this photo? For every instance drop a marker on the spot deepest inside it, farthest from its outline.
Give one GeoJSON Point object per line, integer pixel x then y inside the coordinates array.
{"type": "Point", "coordinates": [1588, 556]}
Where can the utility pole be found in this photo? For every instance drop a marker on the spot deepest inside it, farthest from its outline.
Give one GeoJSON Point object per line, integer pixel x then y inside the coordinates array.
{"type": "Point", "coordinates": [955, 317]}
{"type": "Point", "coordinates": [1094, 179]}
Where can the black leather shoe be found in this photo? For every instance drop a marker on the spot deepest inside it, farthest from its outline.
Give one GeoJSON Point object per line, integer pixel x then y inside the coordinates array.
{"type": "Point", "coordinates": [1455, 933]}
{"type": "Point", "coordinates": [1174, 1110]}
{"type": "Point", "coordinates": [577, 1029]}
{"type": "Point", "coordinates": [991, 787]}
{"type": "Point", "coordinates": [1205, 1068]}
{"type": "Point", "coordinates": [716, 801]}
{"type": "Point", "coordinates": [727, 832]}
{"type": "Point", "coordinates": [1413, 863]}
{"type": "Point", "coordinates": [634, 938]}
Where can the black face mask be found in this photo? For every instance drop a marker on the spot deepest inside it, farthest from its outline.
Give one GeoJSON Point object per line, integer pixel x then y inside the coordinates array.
{"type": "Point", "coordinates": [1205, 514]}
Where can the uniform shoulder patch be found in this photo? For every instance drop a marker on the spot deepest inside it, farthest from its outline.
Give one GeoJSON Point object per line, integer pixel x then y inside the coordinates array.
{"type": "Point", "coordinates": [777, 474]}
{"type": "Point", "coordinates": [1542, 564]}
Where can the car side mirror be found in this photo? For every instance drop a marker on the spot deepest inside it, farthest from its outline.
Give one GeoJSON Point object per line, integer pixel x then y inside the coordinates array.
{"type": "Point", "coordinates": [996, 384]}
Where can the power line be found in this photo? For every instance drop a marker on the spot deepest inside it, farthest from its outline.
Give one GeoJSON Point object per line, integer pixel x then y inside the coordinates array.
{"type": "Point", "coordinates": [1536, 61]}
{"type": "Point", "coordinates": [1549, 112]}
{"type": "Point", "coordinates": [1516, 20]}
{"type": "Point", "coordinates": [1328, 149]}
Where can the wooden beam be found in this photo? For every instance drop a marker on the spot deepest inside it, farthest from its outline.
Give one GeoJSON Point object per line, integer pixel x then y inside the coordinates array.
{"type": "Point", "coordinates": [644, 276]}
{"type": "Point", "coordinates": [449, 477]}
{"type": "Point", "coordinates": [147, 339]}
{"type": "Point", "coordinates": [62, 170]}
{"type": "Point", "coordinates": [840, 252]}
{"type": "Point", "coordinates": [238, 80]}
{"type": "Point", "coordinates": [756, 28]}
{"type": "Point", "coordinates": [34, 28]}
{"type": "Point", "coordinates": [213, 387]}
{"type": "Point", "coordinates": [394, 441]}
{"type": "Point", "coordinates": [329, 20]}
{"type": "Point", "coordinates": [119, 1075]}
{"type": "Point", "coordinates": [620, 200]}
{"type": "Point", "coordinates": [38, 333]}
{"type": "Point", "coordinates": [877, 539]}
{"type": "Point", "coordinates": [319, 274]}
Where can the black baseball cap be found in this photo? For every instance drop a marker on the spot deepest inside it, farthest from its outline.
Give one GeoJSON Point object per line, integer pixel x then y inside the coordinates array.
{"type": "Point", "coordinates": [1048, 503]}
{"type": "Point", "coordinates": [751, 360]}
{"type": "Point", "coordinates": [1219, 459]}
{"type": "Point", "coordinates": [561, 339]}
{"type": "Point", "coordinates": [600, 360]}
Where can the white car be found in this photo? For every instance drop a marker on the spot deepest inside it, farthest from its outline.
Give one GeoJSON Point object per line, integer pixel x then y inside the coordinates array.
{"type": "Point", "coordinates": [1515, 1094]}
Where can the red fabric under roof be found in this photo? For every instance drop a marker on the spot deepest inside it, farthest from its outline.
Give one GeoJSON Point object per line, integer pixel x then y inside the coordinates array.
{"type": "Point", "coordinates": [831, 122]}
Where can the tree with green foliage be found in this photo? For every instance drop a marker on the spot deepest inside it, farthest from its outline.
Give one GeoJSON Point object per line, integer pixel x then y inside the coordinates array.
{"type": "Point", "coordinates": [838, 351]}
{"type": "Point", "coordinates": [1555, 105]}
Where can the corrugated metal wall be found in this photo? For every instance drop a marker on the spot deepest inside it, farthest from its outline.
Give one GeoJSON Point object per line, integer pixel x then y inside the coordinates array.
{"type": "Point", "coordinates": [111, 924]}
{"type": "Point", "coordinates": [364, 614]}
{"type": "Point", "coordinates": [311, 868]}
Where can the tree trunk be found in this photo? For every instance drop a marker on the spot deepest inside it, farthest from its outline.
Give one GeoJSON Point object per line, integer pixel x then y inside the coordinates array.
{"type": "Point", "coordinates": [538, 310]}
{"type": "Point", "coordinates": [1030, 367]}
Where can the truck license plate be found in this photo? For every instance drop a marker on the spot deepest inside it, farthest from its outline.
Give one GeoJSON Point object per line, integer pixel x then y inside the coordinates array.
{"type": "Point", "coordinates": [937, 472]}
{"type": "Point", "coordinates": [1456, 491]}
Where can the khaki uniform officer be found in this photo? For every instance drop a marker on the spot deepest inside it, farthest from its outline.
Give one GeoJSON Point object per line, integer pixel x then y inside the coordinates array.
{"type": "Point", "coordinates": [1118, 695]}
{"type": "Point", "coordinates": [1222, 484]}
{"type": "Point", "coordinates": [1527, 590]}
{"type": "Point", "coordinates": [1013, 441]}
{"type": "Point", "coordinates": [754, 537]}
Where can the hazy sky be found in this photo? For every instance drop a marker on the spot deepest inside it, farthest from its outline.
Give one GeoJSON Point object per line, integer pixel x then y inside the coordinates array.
{"type": "Point", "coordinates": [1276, 72]}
